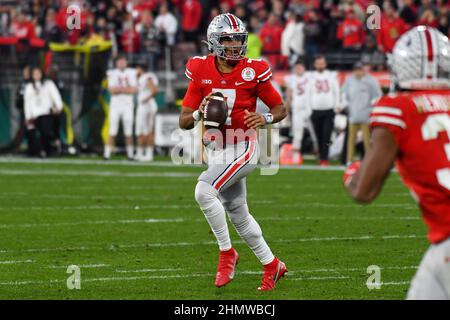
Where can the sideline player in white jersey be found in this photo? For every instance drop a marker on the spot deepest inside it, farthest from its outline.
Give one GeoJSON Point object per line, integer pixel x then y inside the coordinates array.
{"type": "Point", "coordinates": [323, 96]}
{"type": "Point", "coordinates": [145, 113]}
{"type": "Point", "coordinates": [296, 101]}
{"type": "Point", "coordinates": [122, 85]}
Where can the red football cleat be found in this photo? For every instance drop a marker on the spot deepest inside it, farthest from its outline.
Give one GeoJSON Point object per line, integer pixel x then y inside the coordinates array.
{"type": "Point", "coordinates": [272, 273]}
{"type": "Point", "coordinates": [225, 270]}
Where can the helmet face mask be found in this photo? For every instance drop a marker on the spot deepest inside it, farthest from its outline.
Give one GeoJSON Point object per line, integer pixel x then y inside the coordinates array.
{"type": "Point", "coordinates": [227, 37]}
{"type": "Point", "coordinates": [421, 60]}
{"type": "Point", "coordinates": [232, 52]}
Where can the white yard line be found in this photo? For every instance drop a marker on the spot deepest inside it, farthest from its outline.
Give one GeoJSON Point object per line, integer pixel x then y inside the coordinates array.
{"type": "Point", "coordinates": [99, 162]}
{"type": "Point", "coordinates": [96, 207]}
{"type": "Point", "coordinates": [243, 272]}
{"type": "Point", "coordinates": [193, 205]}
{"type": "Point", "coordinates": [399, 283]}
{"type": "Point", "coordinates": [5, 262]}
{"type": "Point", "coordinates": [146, 197]}
{"type": "Point", "coordinates": [318, 278]}
{"type": "Point", "coordinates": [197, 220]}
{"type": "Point", "coordinates": [149, 270]}
{"type": "Point", "coordinates": [89, 266]}
{"type": "Point", "coordinates": [126, 163]}
{"type": "Point", "coordinates": [99, 222]}
{"type": "Point", "coordinates": [191, 244]}
{"type": "Point", "coordinates": [175, 276]}
{"type": "Point", "coordinates": [45, 172]}
{"type": "Point", "coordinates": [140, 164]}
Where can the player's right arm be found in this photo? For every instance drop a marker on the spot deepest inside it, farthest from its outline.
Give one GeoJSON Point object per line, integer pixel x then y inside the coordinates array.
{"type": "Point", "coordinates": [193, 101]}
{"type": "Point", "coordinates": [188, 115]}
{"type": "Point", "coordinates": [388, 123]}
{"type": "Point", "coordinates": [365, 185]}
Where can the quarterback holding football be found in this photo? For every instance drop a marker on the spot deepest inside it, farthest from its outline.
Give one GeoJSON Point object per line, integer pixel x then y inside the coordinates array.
{"type": "Point", "coordinates": [413, 128]}
{"type": "Point", "coordinates": [221, 189]}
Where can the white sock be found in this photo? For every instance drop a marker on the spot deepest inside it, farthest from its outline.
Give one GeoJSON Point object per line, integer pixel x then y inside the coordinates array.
{"type": "Point", "coordinates": [140, 152]}
{"type": "Point", "coordinates": [107, 151]}
{"type": "Point", "coordinates": [130, 151]}
{"type": "Point", "coordinates": [149, 153]}
{"type": "Point", "coordinates": [208, 200]}
{"type": "Point", "coordinates": [250, 231]}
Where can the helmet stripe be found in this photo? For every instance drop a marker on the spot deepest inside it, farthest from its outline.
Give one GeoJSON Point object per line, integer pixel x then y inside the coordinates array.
{"type": "Point", "coordinates": [430, 52]}
{"type": "Point", "coordinates": [234, 24]}
{"type": "Point", "coordinates": [430, 59]}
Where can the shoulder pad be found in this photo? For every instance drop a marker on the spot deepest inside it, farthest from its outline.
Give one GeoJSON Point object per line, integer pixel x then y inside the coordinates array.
{"type": "Point", "coordinates": [193, 65]}
{"type": "Point", "coordinates": [387, 100]}
{"type": "Point", "coordinates": [262, 69]}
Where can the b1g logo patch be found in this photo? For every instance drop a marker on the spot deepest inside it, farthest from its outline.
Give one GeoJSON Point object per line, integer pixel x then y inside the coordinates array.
{"type": "Point", "coordinates": [248, 74]}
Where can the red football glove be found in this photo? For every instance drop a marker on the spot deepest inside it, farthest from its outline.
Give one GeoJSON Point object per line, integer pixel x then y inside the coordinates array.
{"type": "Point", "coordinates": [350, 171]}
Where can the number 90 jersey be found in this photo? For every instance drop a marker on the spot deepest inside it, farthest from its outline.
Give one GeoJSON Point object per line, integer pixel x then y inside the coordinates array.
{"type": "Point", "coordinates": [420, 123]}
{"type": "Point", "coordinates": [249, 80]}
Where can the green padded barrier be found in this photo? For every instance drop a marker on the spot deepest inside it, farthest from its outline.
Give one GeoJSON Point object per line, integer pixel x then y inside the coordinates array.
{"type": "Point", "coordinates": [5, 116]}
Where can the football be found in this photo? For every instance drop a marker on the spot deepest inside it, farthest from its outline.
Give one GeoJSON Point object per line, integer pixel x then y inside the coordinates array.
{"type": "Point", "coordinates": [216, 111]}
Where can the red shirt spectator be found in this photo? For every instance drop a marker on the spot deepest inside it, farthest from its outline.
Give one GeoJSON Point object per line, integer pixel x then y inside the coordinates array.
{"type": "Point", "coordinates": [192, 15]}
{"type": "Point", "coordinates": [21, 28]}
{"type": "Point", "coordinates": [140, 6]}
{"type": "Point", "coordinates": [391, 29]}
{"type": "Point", "coordinates": [129, 41]}
{"type": "Point", "coordinates": [270, 35]}
{"type": "Point", "coordinates": [351, 31]}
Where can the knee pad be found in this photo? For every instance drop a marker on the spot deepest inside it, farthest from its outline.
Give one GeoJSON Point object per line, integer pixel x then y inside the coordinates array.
{"type": "Point", "coordinates": [205, 194]}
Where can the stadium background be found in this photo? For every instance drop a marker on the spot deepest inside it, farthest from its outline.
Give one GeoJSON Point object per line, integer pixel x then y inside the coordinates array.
{"type": "Point", "coordinates": [35, 32]}
{"type": "Point", "coordinates": [134, 229]}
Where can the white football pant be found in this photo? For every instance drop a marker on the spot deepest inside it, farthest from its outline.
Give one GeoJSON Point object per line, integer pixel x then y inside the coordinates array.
{"type": "Point", "coordinates": [432, 280]}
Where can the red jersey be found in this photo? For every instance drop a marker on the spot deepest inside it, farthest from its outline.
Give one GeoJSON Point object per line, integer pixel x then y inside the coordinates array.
{"type": "Point", "coordinates": [420, 123]}
{"type": "Point", "coordinates": [249, 80]}
{"type": "Point", "coordinates": [270, 36]}
{"type": "Point", "coordinates": [390, 32]}
{"type": "Point", "coordinates": [192, 15]}
{"type": "Point", "coordinates": [351, 32]}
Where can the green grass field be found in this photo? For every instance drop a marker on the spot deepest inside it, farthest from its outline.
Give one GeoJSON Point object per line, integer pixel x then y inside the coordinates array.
{"type": "Point", "coordinates": [136, 233]}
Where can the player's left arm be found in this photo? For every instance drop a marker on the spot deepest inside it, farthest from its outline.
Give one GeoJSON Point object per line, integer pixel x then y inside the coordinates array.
{"type": "Point", "coordinates": [365, 185]}
{"type": "Point", "coordinates": [270, 96]}
{"type": "Point", "coordinates": [255, 120]}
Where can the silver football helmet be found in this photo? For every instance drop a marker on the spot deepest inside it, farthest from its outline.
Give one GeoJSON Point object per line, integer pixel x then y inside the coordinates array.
{"type": "Point", "coordinates": [227, 27]}
{"type": "Point", "coordinates": [421, 60]}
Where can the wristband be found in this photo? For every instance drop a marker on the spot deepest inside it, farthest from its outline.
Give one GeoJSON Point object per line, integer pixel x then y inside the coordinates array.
{"type": "Point", "coordinates": [268, 117]}
{"type": "Point", "coordinates": [196, 115]}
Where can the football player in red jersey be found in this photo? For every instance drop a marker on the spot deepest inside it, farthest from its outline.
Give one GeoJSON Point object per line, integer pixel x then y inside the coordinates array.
{"type": "Point", "coordinates": [413, 128]}
{"type": "Point", "coordinates": [233, 155]}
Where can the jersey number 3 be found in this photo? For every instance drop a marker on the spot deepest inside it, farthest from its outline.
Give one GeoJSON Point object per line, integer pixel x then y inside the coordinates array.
{"type": "Point", "coordinates": [430, 130]}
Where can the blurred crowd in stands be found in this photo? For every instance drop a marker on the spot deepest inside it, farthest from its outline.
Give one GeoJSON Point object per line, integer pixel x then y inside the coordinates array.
{"type": "Point", "coordinates": [279, 30]}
